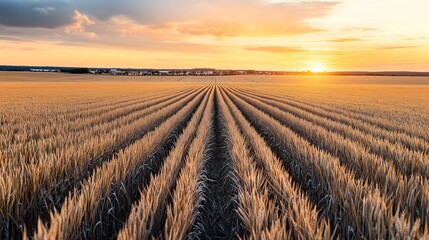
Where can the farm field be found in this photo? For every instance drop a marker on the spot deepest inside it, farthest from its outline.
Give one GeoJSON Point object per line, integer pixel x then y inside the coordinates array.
{"type": "Point", "coordinates": [251, 157]}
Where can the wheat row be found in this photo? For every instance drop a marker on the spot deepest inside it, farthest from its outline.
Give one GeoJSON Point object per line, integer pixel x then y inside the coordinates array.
{"type": "Point", "coordinates": [217, 160]}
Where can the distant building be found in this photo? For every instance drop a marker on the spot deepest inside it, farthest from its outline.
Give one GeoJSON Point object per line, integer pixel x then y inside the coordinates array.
{"type": "Point", "coordinates": [176, 72]}
{"type": "Point", "coordinates": [134, 73]}
{"type": "Point", "coordinates": [115, 71]}
{"type": "Point", "coordinates": [164, 73]}
{"type": "Point", "coordinates": [44, 70]}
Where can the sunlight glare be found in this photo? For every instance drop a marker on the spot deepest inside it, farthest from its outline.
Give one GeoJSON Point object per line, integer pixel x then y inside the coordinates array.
{"type": "Point", "coordinates": [318, 68]}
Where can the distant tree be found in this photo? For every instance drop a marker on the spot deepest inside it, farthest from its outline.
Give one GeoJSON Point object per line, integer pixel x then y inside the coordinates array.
{"type": "Point", "coordinates": [77, 70]}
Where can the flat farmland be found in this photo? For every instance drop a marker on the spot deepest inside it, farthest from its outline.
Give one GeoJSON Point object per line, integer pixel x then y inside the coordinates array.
{"type": "Point", "coordinates": [213, 157]}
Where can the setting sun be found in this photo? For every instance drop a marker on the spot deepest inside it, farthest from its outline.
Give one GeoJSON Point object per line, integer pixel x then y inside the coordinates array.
{"type": "Point", "coordinates": [318, 68]}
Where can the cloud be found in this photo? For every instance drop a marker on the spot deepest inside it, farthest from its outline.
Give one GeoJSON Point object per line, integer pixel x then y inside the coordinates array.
{"type": "Point", "coordinates": [196, 17]}
{"type": "Point", "coordinates": [143, 11]}
{"type": "Point", "coordinates": [162, 25]}
{"type": "Point", "coordinates": [341, 40]}
{"type": "Point", "coordinates": [80, 26]}
{"type": "Point", "coordinates": [359, 29]}
{"type": "Point", "coordinates": [11, 38]}
{"type": "Point", "coordinates": [256, 19]}
{"type": "Point", "coordinates": [30, 13]}
{"type": "Point", "coordinates": [414, 38]}
{"type": "Point", "coordinates": [277, 49]}
{"type": "Point", "coordinates": [394, 47]}
{"type": "Point", "coordinates": [45, 10]}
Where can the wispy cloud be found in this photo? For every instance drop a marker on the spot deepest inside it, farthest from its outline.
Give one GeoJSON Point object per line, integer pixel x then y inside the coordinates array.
{"type": "Point", "coordinates": [276, 49]}
{"type": "Point", "coordinates": [344, 40]}
{"type": "Point", "coordinates": [257, 19]}
{"type": "Point", "coordinates": [414, 38]}
{"type": "Point", "coordinates": [222, 17]}
{"type": "Point", "coordinates": [80, 26]}
{"type": "Point", "coordinates": [43, 13]}
{"type": "Point", "coordinates": [359, 29]}
{"type": "Point", "coordinates": [144, 24]}
{"type": "Point", "coordinates": [394, 47]}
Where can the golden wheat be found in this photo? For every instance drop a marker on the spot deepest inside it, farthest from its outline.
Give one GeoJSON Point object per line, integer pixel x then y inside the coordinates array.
{"type": "Point", "coordinates": [334, 180]}
{"type": "Point", "coordinates": [146, 214]}
{"type": "Point", "coordinates": [245, 157]}
{"type": "Point", "coordinates": [98, 186]}
{"type": "Point", "coordinates": [302, 216]}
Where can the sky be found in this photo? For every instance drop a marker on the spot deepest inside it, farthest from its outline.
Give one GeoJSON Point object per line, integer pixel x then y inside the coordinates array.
{"type": "Point", "coordinates": [337, 35]}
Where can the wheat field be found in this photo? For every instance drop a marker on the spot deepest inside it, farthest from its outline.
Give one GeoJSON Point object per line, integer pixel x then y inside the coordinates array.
{"type": "Point", "coordinates": [222, 157]}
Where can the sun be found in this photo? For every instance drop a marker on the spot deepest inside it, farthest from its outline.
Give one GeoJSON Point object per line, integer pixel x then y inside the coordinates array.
{"type": "Point", "coordinates": [317, 68]}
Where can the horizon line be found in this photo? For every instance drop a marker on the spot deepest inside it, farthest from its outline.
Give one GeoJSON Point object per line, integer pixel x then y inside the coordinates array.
{"type": "Point", "coordinates": [219, 69]}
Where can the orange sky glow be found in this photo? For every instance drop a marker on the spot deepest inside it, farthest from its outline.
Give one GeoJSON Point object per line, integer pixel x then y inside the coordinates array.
{"type": "Point", "coordinates": [238, 34]}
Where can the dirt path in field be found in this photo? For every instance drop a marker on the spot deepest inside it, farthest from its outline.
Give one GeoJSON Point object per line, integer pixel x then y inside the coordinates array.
{"type": "Point", "coordinates": [219, 217]}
